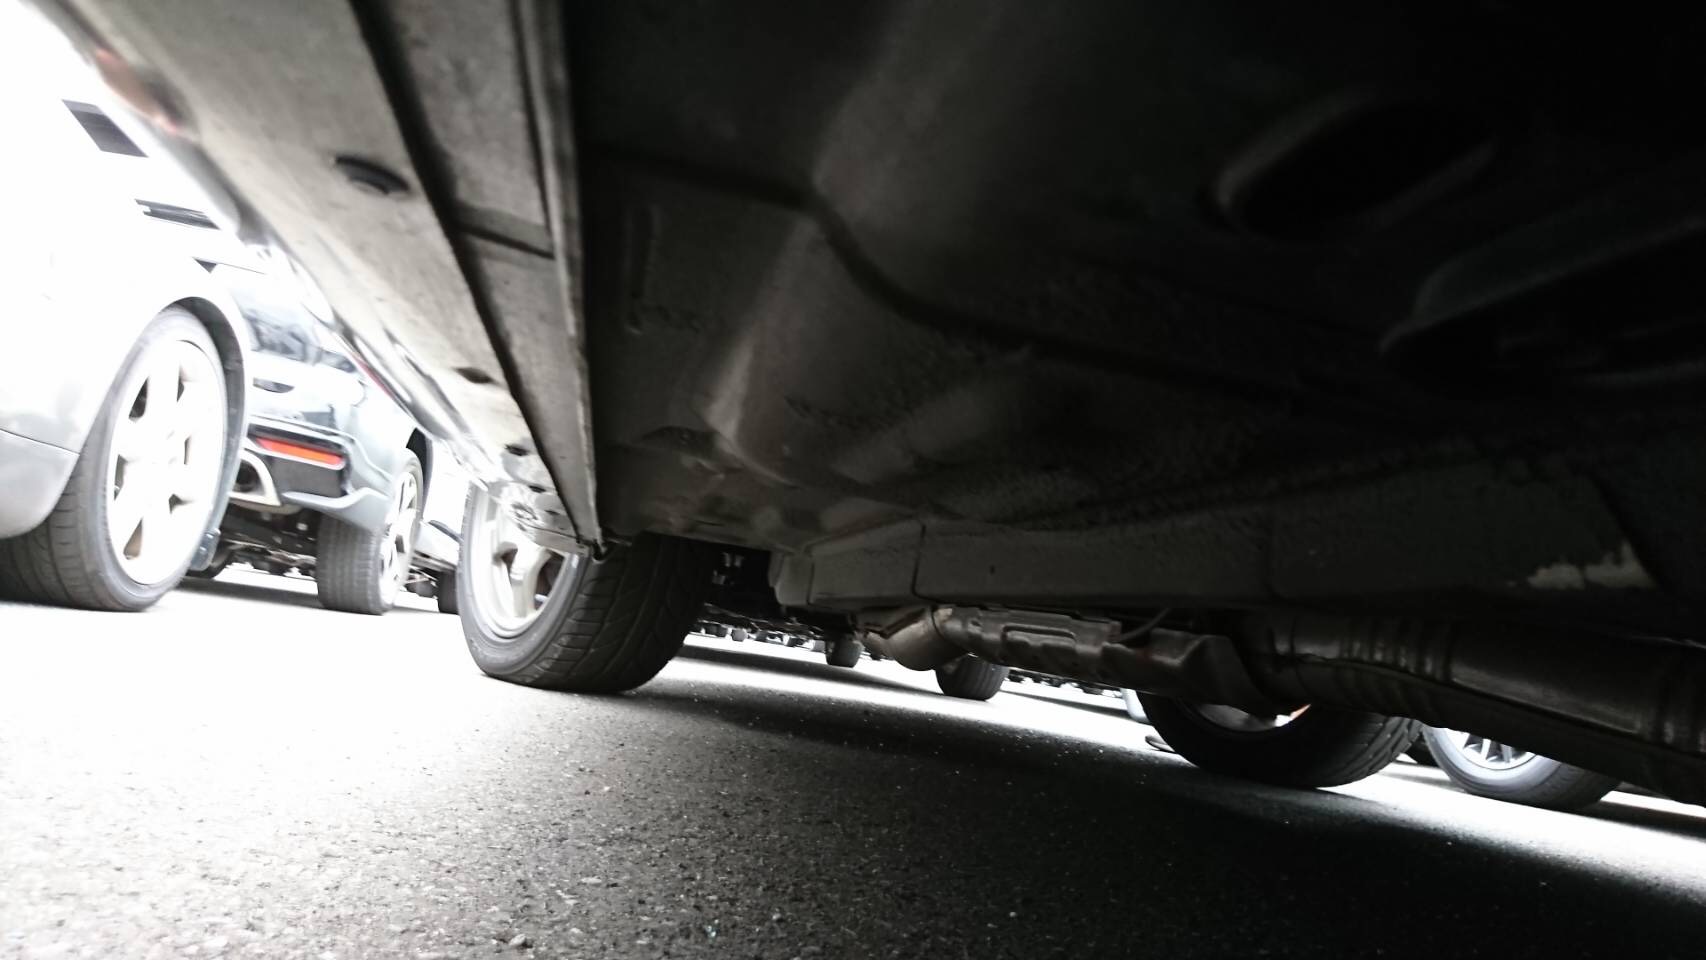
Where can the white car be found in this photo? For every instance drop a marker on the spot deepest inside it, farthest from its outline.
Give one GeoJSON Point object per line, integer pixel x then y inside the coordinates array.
{"type": "Point", "coordinates": [122, 375]}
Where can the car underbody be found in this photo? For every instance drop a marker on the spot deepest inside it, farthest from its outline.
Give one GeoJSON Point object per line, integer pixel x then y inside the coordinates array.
{"type": "Point", "coordinates": [1347, 354]}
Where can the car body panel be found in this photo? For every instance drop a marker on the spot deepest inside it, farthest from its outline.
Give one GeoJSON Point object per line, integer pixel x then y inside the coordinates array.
{"type": "Point", "coordinates": [33, 474]}
{"type": "Point", "coordinates": [304, 386]}
{"type": "Point", "coordinates": [81, 282]}
{"type": "Point", "coordinates": [58, 366]}
{"type": "Point", "coordinates": [407, 307]}
{"type": "Point", "coordinates": [357, 491]}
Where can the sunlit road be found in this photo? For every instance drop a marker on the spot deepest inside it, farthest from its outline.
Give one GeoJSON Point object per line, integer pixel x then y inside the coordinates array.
{"type": "Point", "coordinates": [238, 772]}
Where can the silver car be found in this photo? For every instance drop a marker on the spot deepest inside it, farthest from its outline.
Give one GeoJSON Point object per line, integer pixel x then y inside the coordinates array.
{"type": "Point", "coordinates": [121, 378]}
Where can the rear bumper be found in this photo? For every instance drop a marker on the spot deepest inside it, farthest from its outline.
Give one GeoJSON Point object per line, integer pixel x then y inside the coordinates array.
{"type": "Point", "coordinates": [355, 491]}
{"type": "Point", "coordinates": [33, 475]}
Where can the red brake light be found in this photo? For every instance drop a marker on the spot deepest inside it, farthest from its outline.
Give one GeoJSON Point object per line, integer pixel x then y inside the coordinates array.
{"type": "Point", "coordinates": [320, 455]}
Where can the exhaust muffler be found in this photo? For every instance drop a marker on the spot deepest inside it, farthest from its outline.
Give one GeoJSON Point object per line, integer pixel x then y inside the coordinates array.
{"type": "Point", "coordinates": [1630, 708]}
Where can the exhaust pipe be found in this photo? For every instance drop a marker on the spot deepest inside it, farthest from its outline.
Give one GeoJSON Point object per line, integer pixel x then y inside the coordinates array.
{"type": "Point", "coordinates": [254, 480]}
{"type": "Point", "coordinates": [1195, 666]}
{"type": "Point", "coordinates": [1634, 709]}
{"type": "Point", "coordinates": [1629, 708]}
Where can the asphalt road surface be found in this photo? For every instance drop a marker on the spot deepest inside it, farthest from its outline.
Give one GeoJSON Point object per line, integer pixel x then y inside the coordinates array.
{"type": "Point", "coordinates": [240, 773]}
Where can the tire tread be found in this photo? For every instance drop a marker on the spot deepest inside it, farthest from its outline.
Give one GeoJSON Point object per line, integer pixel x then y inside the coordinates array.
{"type": "Point", "coordinates": [629, 617]}
{"type": "Point", "coordinates": [346, 568]}
{"type": "Point", "coordinates": [346, 561]}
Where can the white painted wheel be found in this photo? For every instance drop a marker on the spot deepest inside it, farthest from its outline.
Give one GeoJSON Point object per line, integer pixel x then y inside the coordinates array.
{"type": "Point", "coordinates": [570, 620]}
{"type": "Point", "coordinates": [512, 575]}
{"type": "Point", "coordinates": [163, 465]}
{"type": "Point", "coordinates": [1485, 752]}
{"type": "Point", "coordinates": [402, 522]}
{"type": "Point", "coordinates": [1490, 768]}
{"type": "Point", "coordinates": [146, 483]}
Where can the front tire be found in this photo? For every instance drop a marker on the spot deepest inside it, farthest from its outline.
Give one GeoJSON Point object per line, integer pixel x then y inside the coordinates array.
{"type": "Point", "coordinates": [971, 678]}
{"type": "Point", "coordinates": [134, 510]}
{"type": "Point", "coordinates": [361, 571]}
{"type": "Point", "coordinates": [1489, 769]}
{"type": "Point", "coordinates": [1316, 747]}
{"type": "Point", "coordinates": [540, 618]}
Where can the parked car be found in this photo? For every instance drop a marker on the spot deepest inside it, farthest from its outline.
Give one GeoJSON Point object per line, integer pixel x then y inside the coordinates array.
{"type": "Point", "coordinates": [334, 472]}
{"type": "Point", "coordinates": [1232, 359]}
{"type": "Point", "coordinates": [122, 374]}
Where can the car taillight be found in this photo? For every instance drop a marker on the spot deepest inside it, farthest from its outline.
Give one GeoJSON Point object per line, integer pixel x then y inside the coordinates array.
{"type": "Point", "coordinates": [301, 451]}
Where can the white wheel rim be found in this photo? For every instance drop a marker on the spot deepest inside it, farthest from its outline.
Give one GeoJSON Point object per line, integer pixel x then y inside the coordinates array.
{"type": "Point", "coordinates": [163, 468]}
{"type": "Point", "coordinates": [512, 575]}
{"type": "Point", "coordinates": [398, 548]}
{"type": "Point", "coordinates": [1485, 753]}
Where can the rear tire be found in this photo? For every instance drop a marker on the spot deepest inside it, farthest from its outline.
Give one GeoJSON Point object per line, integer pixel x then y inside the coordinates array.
{"type": "Point", "coordinates": [605, 624]}
{"type": "Point", "coordinates": [971, 678]}
{"type": "Point", "coordinates": [1319, 747]}
{"type": "Point", "coordinates": [844, 652]}
{"type": "Point", "coordinates": [1536, 782]}
{"type": "Point", "coordinates": [351, 572]}
{"type": "Point", "coordinates": [71, 558]}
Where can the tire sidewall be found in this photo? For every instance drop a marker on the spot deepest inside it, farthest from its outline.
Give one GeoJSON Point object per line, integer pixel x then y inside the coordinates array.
{"type": "Point", "coordinates": [90, 483]}
{"type": "Point", "coordinates": [1308, 752]}
{"type": "Point", "coordinates": [1223, 750]}
{"type": "Point", "coordinates": [389, 592]}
